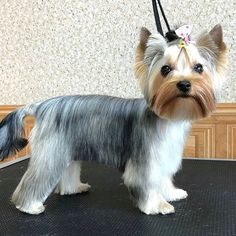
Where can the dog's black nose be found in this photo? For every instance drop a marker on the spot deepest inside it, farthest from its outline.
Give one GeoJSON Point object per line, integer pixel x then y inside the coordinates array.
{"type": "Point", "coordinates": [184, 86]}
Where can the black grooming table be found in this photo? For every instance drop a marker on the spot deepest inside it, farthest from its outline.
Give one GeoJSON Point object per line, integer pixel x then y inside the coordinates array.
{"type": "Point", "coordinates": [107, 209]}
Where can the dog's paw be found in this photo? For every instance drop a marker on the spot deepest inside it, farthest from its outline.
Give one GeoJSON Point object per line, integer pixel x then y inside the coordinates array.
{"type": "Point", "coordinates": [176, 195]}
{"type": "Point", "coordinates": [33, 209]}
{"type": "Point", "coordinates": [68, 190]}
{"type": "Point", "coordinates": [157, 207]}
{"type": "Point", "coordinates": [166, 208]}
{"type": "Point", "coordinates": [84, 188]}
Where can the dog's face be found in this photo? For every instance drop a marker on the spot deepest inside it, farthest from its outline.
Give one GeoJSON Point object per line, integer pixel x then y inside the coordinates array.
{"type": "Point", "coordinates": [181, 82]}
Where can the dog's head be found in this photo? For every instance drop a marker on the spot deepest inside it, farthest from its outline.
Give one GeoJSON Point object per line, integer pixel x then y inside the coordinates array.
{"type": "Point", "coordinates": [181, 81]}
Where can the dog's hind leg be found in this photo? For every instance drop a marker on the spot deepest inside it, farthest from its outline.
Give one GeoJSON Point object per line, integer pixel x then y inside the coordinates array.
{"type": "Point", "coordinates": [50, 157]}
{"type": "Point", "coordinates": [70, 181]}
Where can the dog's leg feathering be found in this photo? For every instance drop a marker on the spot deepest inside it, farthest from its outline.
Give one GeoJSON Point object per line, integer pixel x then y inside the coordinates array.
{"type": "Point", "coordinates": [143, 190]}
{"type": "Point", "coordinates": [70, 181]}
{"type": "Point", "coordinates": [49, 160]}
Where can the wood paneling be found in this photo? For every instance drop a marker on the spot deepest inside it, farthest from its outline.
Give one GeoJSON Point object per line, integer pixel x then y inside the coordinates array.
{"type": "Point", "coordinates": [201, 141]}
{"type": "Point", "coordinates": [214, 137]}
{"type": "Point", "coordinates": [231, 141]}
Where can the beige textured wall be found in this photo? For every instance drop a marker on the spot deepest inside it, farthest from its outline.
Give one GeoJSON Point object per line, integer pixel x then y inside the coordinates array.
{"type": "Point", "coordinates": [56, 47]}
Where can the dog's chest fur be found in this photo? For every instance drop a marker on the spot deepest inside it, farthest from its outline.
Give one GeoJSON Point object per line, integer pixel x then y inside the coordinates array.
{"type": "Point", "coordinates": [167, 146]}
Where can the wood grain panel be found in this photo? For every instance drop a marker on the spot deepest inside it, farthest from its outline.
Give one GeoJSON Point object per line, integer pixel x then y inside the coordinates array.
{"type": "Point", "coordinates": [216, 134]}
{"type": "Point", "coordinates": [213, 137]}
{"type": "Point", "coordinates": [204, 141]}
{"type": "Point", "coordinates": [231, 141]}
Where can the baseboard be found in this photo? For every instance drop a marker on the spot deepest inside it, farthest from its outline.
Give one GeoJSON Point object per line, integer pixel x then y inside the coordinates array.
{"type": "Point", "coordinates": [11, 162]}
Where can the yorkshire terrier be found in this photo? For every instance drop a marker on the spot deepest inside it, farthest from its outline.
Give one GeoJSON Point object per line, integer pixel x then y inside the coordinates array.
{"type": "Point", "coordinates": [180, 80]}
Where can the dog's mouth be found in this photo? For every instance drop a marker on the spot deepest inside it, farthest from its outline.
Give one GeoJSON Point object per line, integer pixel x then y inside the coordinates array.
{"type": "Point", "coordinates": [171, 103]}
{"type": "Point", "coordinates": [184, 96]}
{"type": "Point", "coordinates": [197, 100]}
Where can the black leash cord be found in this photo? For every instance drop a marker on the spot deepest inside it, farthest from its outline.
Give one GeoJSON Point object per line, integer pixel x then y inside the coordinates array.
{"type": "Point", "coordinates": [163, 14]}
{"type": "Point", "coordinates": [157, 17]}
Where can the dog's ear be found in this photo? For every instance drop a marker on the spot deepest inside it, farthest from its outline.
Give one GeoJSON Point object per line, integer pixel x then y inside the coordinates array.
{"type": "Point", "coordinates": [151, 47]}
{"type": "Point", "coordinates": [140, 68]}
{"type": "Point", "coordinates": [212, 47]}
{"type": "Point", "coordinates": [144, 35]}
{"type": "Point", "coordinates": [139, 56]}
{"type": "Point", "coordinates": [217, 36]}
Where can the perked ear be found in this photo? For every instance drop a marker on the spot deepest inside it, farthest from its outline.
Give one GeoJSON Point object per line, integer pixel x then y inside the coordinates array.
{"type": "Point", "coordinates": [213, 48]}
{"type": "Point", "coordinates": [144, 35]}
{"type": "Point", "coordinates": [217, 35]}
{"type": "Point", "coordinates": [140, 67]}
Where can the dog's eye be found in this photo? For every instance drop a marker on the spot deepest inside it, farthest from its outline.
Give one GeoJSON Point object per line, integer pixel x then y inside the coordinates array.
{"type": "Point", "coordinates": [165, 70]}
{"type": "Point", "coordinates": [198, 68]}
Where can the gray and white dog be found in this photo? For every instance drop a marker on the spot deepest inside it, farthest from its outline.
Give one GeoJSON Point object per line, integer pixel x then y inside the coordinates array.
{"type": "Point", "coordinates": [143, 137]}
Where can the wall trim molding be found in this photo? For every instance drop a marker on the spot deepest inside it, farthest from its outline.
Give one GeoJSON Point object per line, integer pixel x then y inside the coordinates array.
{"type": "Point", "coordinates": [11, 162]}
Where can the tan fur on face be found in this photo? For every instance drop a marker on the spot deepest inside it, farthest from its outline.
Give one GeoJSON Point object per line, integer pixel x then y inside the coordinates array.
{"type": "Point", "coordinates": [169, 103]}
{"type": "Point", "coordinates": [165, 98]}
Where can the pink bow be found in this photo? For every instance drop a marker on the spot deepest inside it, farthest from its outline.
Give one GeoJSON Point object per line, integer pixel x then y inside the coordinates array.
{"type": "Point", "coordinates": [184, 33]}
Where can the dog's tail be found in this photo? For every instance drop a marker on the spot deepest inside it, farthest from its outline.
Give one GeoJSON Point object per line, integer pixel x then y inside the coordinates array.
{"type": "Point", "coordinates": [12, 130]}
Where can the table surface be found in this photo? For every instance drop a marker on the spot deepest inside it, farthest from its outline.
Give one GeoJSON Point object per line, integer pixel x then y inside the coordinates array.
{"type": "Point", "coordinates": [107, 209]}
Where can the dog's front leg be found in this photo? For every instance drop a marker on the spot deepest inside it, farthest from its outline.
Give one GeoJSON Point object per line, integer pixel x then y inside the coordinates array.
{"type": "Point", "coordinates": [170, 192]}
{"type": "Point", "coordinates": [144, 187]}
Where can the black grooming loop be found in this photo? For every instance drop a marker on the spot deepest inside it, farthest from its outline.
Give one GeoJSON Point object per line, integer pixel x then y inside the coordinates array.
{"type": "Point", "coordinates": [170, 35]}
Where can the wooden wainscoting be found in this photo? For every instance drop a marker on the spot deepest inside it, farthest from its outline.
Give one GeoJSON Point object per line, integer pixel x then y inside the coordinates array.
{"type": "Point", "coordinates": [214, 137]}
